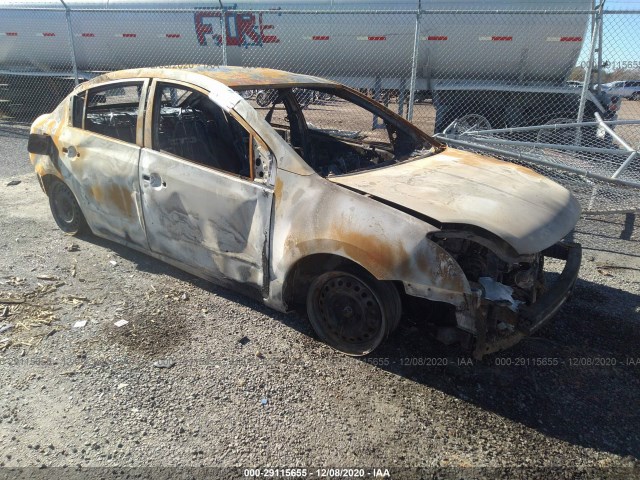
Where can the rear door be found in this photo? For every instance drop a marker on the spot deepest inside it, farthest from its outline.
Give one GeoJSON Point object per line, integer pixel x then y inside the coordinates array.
{"type": "Point", "coordinates": [99, 158]}
{"type": "Point", "coordinates": [204, 205]}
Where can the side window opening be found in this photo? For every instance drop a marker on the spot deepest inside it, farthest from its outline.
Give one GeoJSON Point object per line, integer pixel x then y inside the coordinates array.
{"type": "Point", "coordinates": [336, 133]}
{"type": "Point", "coordinates": [189, 125]}
{"type": "Point", "coordinates": [113, 110]}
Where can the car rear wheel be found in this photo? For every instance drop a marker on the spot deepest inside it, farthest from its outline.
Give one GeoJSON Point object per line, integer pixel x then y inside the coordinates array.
{"type": "Point", "coordinates": [65, 209]}
{"type": "Point", "coordinates": [352, 312]}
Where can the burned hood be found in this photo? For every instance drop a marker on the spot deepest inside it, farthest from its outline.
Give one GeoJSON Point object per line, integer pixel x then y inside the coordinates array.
{"type": "Point", "coordinates": [525, 209]}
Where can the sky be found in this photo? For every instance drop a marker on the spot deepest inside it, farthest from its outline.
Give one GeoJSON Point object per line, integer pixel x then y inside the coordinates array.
{"type": "Point", "coordinates": [621, 36]}
{"type": "Point", "coordinates": [622, 4]}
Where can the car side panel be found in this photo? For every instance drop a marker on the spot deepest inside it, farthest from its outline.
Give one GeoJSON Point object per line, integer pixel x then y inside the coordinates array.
{"type": "Point", "coordinates": [104, 178]}
{"type": "Point", "coordinates": [210, 220]}
{"type": "Point", "coordinates": [313, 216]}
{"type": "Point", "coordinates": [102, 174]}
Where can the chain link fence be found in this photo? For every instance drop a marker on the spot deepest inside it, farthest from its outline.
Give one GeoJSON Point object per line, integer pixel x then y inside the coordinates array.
{"type": "Point", "coordinates": [536, 82]}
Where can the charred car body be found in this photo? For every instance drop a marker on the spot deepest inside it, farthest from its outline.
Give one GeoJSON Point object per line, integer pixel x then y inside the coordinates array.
{"type": "Point", "coordinates": [345, 208]}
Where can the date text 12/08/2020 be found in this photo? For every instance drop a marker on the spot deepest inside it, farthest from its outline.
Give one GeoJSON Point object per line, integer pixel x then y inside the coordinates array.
{"type": "Point", "coordinates": [317, 472]}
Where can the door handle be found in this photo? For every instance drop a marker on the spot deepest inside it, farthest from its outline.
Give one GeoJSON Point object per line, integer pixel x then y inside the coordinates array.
{"type": "Point", "coordinates": [153, 180]}
{"type": "Point", "coordinates": [71, 151]}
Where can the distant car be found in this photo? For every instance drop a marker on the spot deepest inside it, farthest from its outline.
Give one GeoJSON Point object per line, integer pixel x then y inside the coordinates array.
{"type": "Point", "coordinates": [346, 209]}
{"type": "Point", "coordinates": [575, 83]}
{"type": "Point", "coordinates": [626, 88]}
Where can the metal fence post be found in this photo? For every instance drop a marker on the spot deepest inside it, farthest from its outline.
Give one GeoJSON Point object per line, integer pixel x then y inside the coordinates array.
{"type": "Point", "coordinates": [414, 68]}
{"type": "Point", "coordinates": [72, 45]}
{"type": "Point", "coordinates": [223, 30]}
{"type": "Point", "coordinates": [599, 74]}
{"type": "Point", "coordinates": [595, 28]}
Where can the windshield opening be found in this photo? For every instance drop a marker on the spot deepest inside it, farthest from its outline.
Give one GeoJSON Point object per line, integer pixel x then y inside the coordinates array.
{"type": "Point", "coordinates": [338, 132]}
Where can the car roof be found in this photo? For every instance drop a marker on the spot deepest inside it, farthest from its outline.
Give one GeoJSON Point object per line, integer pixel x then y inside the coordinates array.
{"type": "Point", "coordinates": [233, 77]}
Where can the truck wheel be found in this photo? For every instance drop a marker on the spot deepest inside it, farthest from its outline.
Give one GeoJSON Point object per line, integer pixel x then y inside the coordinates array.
{"type": "Point", "coordinates": [352, 312]}
{"type": "Point", "coordinates": [263, 98]}
{"type": "Point", "coordinates": [247, 94]}
{"type": "Point", "coordinates": [471, 122]}
{"type": "Point", "coordinates": [635, 96]}
{"type": "Point", "coordinates": [65, 209]}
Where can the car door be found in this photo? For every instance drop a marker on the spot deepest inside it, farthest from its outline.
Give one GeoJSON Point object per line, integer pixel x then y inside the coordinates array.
{"type": "Point", "coordinates": [100, 151]}
{"type": "Point", "coordinates": [203, 203]}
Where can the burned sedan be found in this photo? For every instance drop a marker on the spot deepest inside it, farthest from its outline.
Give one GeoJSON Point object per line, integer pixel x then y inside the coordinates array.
{"type": "Point", "coordinates": [341, 208]}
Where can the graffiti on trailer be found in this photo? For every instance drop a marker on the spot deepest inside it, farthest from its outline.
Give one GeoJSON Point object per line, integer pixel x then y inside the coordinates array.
{"type": "Point", "coordinates": [243, 29]}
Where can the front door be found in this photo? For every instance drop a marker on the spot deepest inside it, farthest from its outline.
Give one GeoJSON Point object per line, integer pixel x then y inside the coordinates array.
{"type": "Point", "coordinates": [201, 204]}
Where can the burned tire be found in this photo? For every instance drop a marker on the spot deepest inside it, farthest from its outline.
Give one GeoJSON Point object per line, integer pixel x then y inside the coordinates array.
{"type": "Point", "coordinates": [264, 98]}
{"type": "Point", "coordinates": [65, 209]}
{"type": "Point", "coordinates": [352, 312]}
{"type": "Point", "coordinates": [471, 122]}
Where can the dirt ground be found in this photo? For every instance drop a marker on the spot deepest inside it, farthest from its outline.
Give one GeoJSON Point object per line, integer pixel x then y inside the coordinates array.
{"type": "Point", "coordinates": [247, 387]}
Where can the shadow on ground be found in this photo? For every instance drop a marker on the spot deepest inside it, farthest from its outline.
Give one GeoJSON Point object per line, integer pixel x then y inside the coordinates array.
{"type": "Point", "coordinates": [577, 380]}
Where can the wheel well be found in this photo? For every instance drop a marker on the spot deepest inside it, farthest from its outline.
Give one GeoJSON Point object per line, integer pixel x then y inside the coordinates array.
{"type": "Point", "coordinates": [301, 275]}
{"type": "Point", "coordinates": [46, 182]}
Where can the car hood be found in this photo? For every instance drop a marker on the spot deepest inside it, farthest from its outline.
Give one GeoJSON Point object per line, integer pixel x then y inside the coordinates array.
{"type": "Point", "coordinates": [525, 209]}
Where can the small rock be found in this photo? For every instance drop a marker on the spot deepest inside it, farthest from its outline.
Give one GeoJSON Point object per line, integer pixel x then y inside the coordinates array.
{"type": "Point", "coordinates": [13, 183]}
{"type": "Point", "coordinates": [165, 363]}
{"type": "Point", "coordinates": [72, 247]}
{"type": "Point", "coordinates": [184, 297]}
{"type": "Point", "coordinates": [6, 327]}
{"type": "Point", "coordinates": [244, 340]}
{"type": "Point", "coordinates": [49, 278]}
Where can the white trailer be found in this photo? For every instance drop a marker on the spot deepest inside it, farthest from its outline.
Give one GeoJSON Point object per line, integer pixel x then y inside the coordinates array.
{"type": "Point", "coordinates": [511, 68]}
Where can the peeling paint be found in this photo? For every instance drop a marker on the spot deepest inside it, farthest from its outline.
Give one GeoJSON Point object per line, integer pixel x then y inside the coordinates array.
{"type": "Point", "coordinates": [235, 230]}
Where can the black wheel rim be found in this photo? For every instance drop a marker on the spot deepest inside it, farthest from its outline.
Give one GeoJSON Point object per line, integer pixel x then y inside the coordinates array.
{"type": "Point", "coordinates": [348, 314]}
{"type": "Point", "coordinates": [64, 208]}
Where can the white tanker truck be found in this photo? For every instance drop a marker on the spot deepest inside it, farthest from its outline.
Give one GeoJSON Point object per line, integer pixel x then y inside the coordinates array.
{"type": "Point", "coordinates": [509, 68]}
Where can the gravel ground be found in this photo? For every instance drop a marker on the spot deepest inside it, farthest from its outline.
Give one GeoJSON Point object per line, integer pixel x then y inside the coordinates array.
{"type": "Point", "coordinates": [248, 387]}
{"type": "Point", "coordinates": [13, 144]}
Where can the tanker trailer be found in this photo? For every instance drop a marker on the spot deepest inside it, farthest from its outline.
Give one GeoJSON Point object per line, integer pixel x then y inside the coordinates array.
{"type": "Point", "coordinates": [509, 68]}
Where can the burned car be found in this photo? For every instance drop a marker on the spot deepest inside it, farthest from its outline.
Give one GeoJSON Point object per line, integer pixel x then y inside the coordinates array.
{"type": "Point", "coordinates": [342, 208]}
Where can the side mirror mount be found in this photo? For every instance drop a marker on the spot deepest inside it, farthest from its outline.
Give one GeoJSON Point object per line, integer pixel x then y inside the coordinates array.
{"type": "Point", "coordinates": [40, 144]}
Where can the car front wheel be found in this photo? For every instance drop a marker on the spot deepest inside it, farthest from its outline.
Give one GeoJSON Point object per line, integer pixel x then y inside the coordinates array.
{"type": "Point", "coordinates": [65, 209]}
{"type": "Point", "coordinates": [352, 312]}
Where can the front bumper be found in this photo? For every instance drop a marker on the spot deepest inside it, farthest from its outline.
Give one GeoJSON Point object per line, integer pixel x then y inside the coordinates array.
{"type": "Point", "coordinates": [533, 317]}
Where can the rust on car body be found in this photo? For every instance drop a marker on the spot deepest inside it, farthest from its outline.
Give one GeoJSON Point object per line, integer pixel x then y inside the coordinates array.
{"type": "Point", "coordinates": [434, 224]}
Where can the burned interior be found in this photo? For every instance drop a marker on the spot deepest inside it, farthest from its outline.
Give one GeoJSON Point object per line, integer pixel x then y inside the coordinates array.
{"type": "Point", "coordinates": [110, 111]}
{"type": "Point", "coordinates": [363, 137]}
{"type": "Point", "coordinates": [191, 126]}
